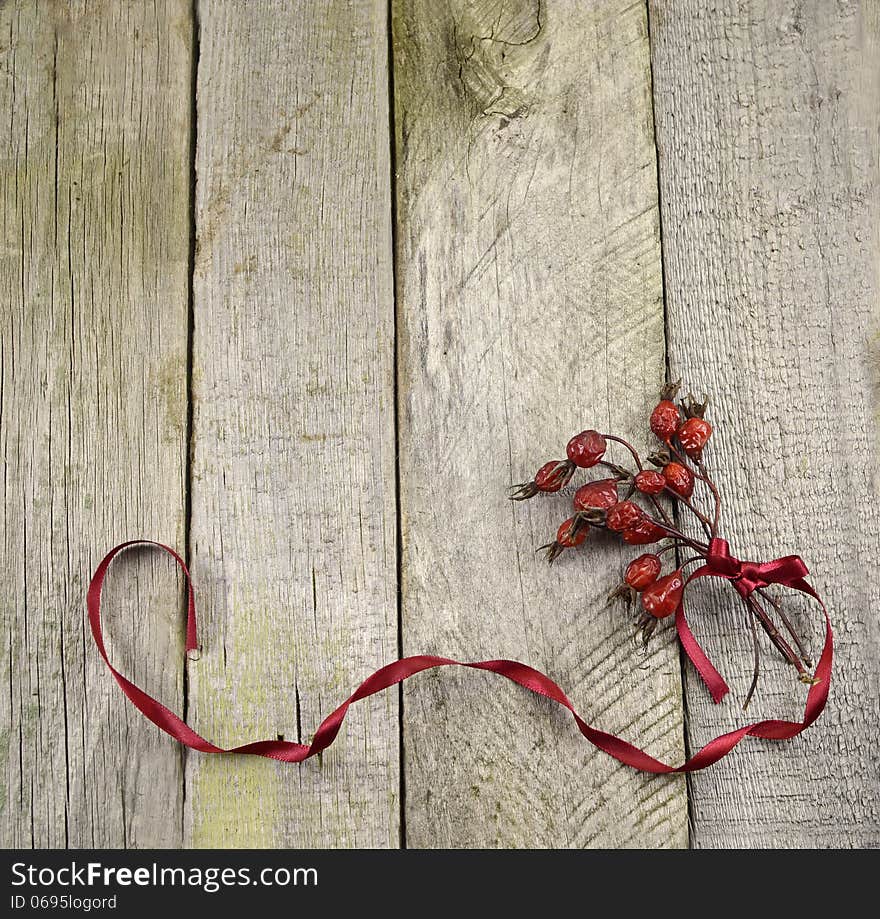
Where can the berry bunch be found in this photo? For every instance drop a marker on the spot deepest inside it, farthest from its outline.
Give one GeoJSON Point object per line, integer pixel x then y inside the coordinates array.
{"type": "Point", "coordinates": [612, 504]}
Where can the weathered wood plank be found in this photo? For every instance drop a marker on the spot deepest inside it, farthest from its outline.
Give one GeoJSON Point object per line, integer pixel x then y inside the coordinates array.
{"type": "Point", "coordinates": [94, 178]}
{"type": "Point", "coordinates": [529, 307]}
{"type": "Point", "coordinates": [293, 502]}
{"type": "Point", "coordinates": [768, 138]}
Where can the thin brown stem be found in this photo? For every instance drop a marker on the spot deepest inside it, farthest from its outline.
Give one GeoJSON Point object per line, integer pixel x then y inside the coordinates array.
{"type": "Point", "coordinates": [675, 544]}
{"type": "Point", "coordinates": [661, 511]}
{"type": "Point", "coordinates": [677, 534]}
{"type": "Point", "coordinates": [775, 636]}
{"type": "Point", "coordinates": [628, 446]}
{"type": "Point", "coordinates": [787, 623]}
{"type": "Point", "coordinates": [699, 473]}
{"type": "Point", "coordinates": [619, 471]}
{"type": "Point", "coordinates": [691, 560]}
{"type": "Point", "coordinates": [757, 671]}
{"type": "Point", "coordinates": [715, 492]}
{"type": "Point", "coordinates": [707, 524]}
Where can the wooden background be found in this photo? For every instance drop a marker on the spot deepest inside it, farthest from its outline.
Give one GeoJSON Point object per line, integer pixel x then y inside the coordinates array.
{"type": "Point", "coordinates": [300, 288]}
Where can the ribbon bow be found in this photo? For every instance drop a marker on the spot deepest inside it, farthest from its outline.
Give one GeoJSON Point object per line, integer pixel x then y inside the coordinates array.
{"type": "Point", "coordinates": [746, 578]}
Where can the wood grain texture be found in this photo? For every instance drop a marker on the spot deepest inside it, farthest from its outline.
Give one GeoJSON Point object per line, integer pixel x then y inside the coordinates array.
{"type": "Point", "coordinates": [768, 138]}
{"type": "Point", "coordinates": [94, 180]}
{"type": "Point", "coordinates": [529, 307]}
{"type": "Point", "coordinates": [293, 495]}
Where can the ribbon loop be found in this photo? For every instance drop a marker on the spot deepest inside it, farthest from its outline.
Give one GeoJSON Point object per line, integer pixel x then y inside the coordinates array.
{"type": "Point", "coordinates": [719, 560]}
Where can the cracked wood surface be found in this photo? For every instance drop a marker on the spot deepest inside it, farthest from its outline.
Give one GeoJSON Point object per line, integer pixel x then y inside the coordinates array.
{"type": "Point", "coordinates": [94, 181]}
{"type": "Point", "coordinates": [293, 487]}
{"type": "Point", "coordinates": [529, 307]}
{"type": "Point", "coordinates": [767, 127]}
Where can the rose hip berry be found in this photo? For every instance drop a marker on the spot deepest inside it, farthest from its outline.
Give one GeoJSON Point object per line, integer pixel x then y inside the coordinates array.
{"type": "Point", "coordinates": [661, 599]}
{"type": "Point", "coordinates": [641, 572]}
{"type": "Point", "coordinates": [553, 475]}
{"type": "Point", "coordinates": [693, 435]}
{"type": "Point", "coordinates": [600, 494]}
{"type": "Point", "coordinates": [643, 533]}
{"type": "Point", "coordinates": [586, 449]}
{"type": "Point", "coordinates": [650, 482]}
{"type": "Point", "coordinates": [570, 534]}
{"type": "Point", "coordinates": [549, 478]}
{"type": "Point", "coordinates": [623, 516]}
{"type": "Point", "coordinates": [665, 419]}
{"type": "Point", "coordinates": [679, 478]}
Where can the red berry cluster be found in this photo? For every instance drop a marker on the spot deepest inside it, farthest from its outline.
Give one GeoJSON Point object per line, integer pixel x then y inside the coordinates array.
{"type": "Point", "coordinates": [610, 504]}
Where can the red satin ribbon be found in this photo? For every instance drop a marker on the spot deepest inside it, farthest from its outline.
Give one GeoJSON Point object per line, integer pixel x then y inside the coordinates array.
{"type": "Point", "coordinates": [746, 576]}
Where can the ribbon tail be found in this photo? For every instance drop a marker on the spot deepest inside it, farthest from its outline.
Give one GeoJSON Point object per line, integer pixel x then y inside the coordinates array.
{"type": "Point", "coordinates": [715, 683]}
